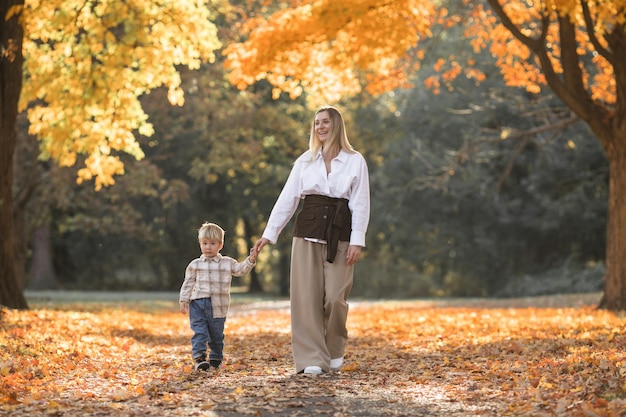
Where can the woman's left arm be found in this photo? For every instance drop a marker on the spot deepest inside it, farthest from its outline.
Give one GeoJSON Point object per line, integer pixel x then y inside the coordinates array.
{"type": "Point", "coordinates": [354, 253]}
{"type": "Point", "coordinates": [360, 203]}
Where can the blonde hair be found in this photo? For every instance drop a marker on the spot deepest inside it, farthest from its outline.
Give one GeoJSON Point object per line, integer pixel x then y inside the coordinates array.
{"type": "Point", "coordinates": [211, 231]}
{"type": "Point", "coordinates": [338, 139]}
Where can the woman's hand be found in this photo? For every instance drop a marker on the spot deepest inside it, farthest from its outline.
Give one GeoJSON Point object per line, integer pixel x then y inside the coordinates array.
{"type": "Point", "coordinates": [260, 244]}
{"type": "Point", "coordinates": [354, 253]}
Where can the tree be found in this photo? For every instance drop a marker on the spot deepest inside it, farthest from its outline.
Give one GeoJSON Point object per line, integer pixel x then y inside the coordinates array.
{"type": "Point", "coordinates": [234, 149]}
{"type": "Point", "coordinates": [577, 48]}
{"type": "Point", "coordinates": [86, 62]}
{"type": "Point", "coordinates": [588, 73]}
{"type": "Point", "coordinates": [220, 157]}
{"type": "Point", "coordinates": [10, 86]}
{"type": "Point", "coordinates": [477, 222]}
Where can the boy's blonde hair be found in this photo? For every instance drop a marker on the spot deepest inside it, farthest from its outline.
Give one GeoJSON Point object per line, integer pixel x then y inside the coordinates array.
{"type": "Point", "coordinates": [211, 231]}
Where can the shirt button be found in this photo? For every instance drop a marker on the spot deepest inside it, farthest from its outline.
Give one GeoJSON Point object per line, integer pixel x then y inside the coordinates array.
{"type": "Point", "coordinates": [325, 216]}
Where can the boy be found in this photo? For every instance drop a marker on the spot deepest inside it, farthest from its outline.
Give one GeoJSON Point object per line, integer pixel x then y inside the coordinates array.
{"type": "Point", "coordinates": [205, 295]}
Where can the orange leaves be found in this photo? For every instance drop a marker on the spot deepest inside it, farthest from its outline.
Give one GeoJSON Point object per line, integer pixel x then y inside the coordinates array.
{"type": "Point", "coordinates": [323, 44]}
{"type": "Point", "coordinates": [403, 358]}
{"type": "Point", "coordinates": [333, 49]}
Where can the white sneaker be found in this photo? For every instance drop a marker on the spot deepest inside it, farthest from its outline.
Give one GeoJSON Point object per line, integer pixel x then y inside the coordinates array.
{"type": "Point", "coordinates": [336, 364]}
{"type": "Point", "coordinates": [314, 370]}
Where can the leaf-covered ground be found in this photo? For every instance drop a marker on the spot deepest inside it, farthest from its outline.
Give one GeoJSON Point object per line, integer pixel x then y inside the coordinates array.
{"type": "Point", "coordinates": [537, 357]}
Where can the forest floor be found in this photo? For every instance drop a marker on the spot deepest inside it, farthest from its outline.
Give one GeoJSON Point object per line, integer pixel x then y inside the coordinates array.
{"type": "Point", "coordinates": [127, 354]}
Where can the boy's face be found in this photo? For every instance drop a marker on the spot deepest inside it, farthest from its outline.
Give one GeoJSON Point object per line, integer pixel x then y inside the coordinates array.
{"type": "Point", "coordinates": [210, 247]}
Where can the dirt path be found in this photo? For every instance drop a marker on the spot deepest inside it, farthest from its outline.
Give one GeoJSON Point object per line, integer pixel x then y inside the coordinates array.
{"type": "Point", "coordinates": [107, 354]}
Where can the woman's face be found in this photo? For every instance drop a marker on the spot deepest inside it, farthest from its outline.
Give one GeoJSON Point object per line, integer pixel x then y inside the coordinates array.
{"type": "Point", "coordinates": [323, 125]}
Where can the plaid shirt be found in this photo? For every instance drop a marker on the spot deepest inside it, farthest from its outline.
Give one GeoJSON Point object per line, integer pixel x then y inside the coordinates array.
{"type": "Point", "coordinates": [210, 277]}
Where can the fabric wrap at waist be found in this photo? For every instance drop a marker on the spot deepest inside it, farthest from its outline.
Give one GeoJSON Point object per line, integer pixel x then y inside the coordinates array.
{"type": "Point", "coordinates": [324, 218]}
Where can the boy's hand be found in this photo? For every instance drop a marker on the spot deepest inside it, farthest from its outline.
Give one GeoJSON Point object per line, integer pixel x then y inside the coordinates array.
{"type": "Point", "coordinates": [253, 255]}
{"type": "Point", "coordinates": [259, 244]}
{"type": "Point", "coordinates": [184, 307]}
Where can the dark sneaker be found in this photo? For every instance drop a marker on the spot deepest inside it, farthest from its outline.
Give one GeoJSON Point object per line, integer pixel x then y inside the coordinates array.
{"type": "Point", "coordinates": [214, 363]}
{"type": "Point", "coordinates": [202, 364]}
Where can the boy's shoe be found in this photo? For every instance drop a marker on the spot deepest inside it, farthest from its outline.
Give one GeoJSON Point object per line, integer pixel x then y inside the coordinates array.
{"type": "Point", "coordinates": [214, 363]}
{"type": "Point", "coordinates": [202, 364]}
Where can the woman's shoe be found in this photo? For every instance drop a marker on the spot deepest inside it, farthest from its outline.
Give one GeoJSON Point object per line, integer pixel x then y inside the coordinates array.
{"type": "Point", "coordinates": [313, 370]}
{"type": "Point", "coordinates": [336, 364]}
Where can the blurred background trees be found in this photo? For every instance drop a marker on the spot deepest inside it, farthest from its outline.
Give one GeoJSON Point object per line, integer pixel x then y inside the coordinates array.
{"type": "Point", "coordinates": [479, 190]}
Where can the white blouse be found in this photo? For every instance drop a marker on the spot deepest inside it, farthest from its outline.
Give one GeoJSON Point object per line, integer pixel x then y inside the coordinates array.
{"type": "Point", "coordinates": [348, 179]}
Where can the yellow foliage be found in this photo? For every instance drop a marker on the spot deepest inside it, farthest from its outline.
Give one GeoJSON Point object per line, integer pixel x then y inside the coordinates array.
{"type": "Point", "coordinates": [86, 64]}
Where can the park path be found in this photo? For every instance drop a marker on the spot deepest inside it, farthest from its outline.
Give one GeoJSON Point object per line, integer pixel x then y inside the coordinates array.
{"type": "Point", "coordinates": [127, 354]}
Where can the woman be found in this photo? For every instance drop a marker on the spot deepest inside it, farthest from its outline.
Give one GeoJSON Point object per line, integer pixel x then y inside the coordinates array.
{"type": "Point", "coordinates": [328, 235]}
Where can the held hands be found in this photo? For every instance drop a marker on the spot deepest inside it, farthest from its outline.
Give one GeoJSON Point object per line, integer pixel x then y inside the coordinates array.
{"type": "Point", "coordinates": [259, 245]}
{"type": "Point", "coordinates": [254, 252]}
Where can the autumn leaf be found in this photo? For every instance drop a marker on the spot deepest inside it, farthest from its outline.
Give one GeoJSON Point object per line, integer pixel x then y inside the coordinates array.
{"type": "Point", "coordinates": [403, 358]}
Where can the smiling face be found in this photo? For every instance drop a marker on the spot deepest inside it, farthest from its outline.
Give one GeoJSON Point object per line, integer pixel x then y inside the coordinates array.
{"type": "Point", "coordinates": [328, 133]}
{"type": "Point", "coordinates": [323, 125]}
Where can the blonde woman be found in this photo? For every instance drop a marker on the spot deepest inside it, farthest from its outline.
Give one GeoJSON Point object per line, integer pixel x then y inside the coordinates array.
{"type": "Point", "coordinates": [333, 180]}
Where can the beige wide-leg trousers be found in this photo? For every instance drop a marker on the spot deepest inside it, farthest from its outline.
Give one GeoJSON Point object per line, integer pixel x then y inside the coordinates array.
{"type": "Point", "coordinates": [319, 307]}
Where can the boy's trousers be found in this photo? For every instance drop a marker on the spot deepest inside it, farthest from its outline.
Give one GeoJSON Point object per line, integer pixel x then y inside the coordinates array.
{"type": "Point", "coordinates": [319, 308]}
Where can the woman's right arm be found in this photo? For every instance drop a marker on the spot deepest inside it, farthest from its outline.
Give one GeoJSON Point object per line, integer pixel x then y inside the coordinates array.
{"type": "Point", "coordinates": [285, 205]}
{"type": "Point", "coordinates": [260, 244]}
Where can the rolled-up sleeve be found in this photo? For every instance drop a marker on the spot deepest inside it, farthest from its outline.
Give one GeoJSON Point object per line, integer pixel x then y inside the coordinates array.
{"type": "Point", "coordinates": [359, 204]}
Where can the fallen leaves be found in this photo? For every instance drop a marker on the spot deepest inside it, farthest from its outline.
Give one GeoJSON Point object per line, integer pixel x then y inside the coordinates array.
{"type": "Point", "coordinates": [409, 358]}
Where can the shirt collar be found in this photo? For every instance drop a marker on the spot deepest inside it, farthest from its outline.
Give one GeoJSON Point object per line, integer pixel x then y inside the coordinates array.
{"type": "Point", "coordinates": [340, 156]}
{"type": "Point", "coordinates": [215, 258]}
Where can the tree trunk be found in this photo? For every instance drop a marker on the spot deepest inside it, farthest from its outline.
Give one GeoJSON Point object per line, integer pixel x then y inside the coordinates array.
{"type": "Point", "coordinates": [11, 35]}
{"type": "Point", "coordinates": [614, 297]}
{"type": "Point", "coordinates": [27, 178]}
{"type": "Point", "coordinates": [255, 285]}
{"type": "Point", "coordinates": [614, 144]}
{"type": "Point", "coordinates": [284, 270]}
{"type": "Point", "coordinates": [42, 275]}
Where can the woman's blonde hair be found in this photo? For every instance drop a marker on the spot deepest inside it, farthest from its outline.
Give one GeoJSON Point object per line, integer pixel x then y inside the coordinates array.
{"type": "Point", "coordinates": [338, 137]}
{"type": "Point", "coordinates": [211, 231]}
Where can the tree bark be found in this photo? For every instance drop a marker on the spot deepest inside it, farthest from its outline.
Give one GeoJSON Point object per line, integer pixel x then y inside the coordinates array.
{"type": "Point", "coordinates": [42, 274]}
{"type": "Point", "coordinates": [284, 268]}
{"type": "Point", "coordinates": [27, 179]}
{"type": "Point", "coordinates": [614, 297]}
{"type": "Point", "coordinates": [255, 285]}
{"type": "Point", "coordinates": [11, 36]}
